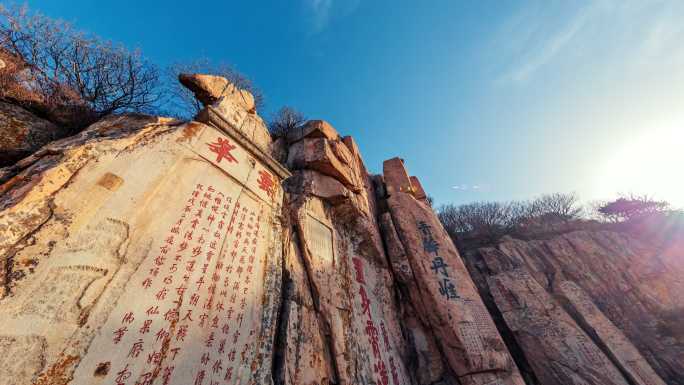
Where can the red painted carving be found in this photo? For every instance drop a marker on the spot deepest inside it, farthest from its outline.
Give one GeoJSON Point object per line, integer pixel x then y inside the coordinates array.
{"type": "Point", "coordinates": [266, 183]}
{"type": "Point", "coordinates": [222, 148]}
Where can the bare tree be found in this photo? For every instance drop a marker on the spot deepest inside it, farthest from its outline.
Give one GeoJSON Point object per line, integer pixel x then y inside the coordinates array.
{"type": "Point", "coordinates": [64, 67]}
{"type": "Point", "coordinates": [492, 220]}
{"type": "Point", "coordinates": [628, 207]}
{"type": "Point", "coordinates": [284, 121]}
{"type": "Point", "coordinates": [563, 206]}
{"type": "Point", "coordinates": [486, 219]}
{"type": "Point", "coordinates": [182, 103]}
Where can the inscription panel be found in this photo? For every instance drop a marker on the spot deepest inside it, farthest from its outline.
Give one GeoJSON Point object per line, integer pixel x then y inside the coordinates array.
{"type": "Point", "coordinates": [320, 240]}
{"type": "Point", "coordinates": [192, 312]}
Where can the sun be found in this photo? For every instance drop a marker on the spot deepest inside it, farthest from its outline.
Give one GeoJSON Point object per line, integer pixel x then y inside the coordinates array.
{"type": "Point", "coordinates": [651, 163]}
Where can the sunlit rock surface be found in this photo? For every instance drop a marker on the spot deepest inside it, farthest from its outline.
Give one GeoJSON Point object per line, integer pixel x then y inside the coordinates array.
{"type": "Point", "coordinates": [624, 293]}
{"type": "Point", "coordinates": [146, 250]}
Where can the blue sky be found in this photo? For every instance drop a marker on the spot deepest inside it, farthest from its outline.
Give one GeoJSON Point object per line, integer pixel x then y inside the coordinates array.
{"type": "Point", "coordinates": [483, 100]}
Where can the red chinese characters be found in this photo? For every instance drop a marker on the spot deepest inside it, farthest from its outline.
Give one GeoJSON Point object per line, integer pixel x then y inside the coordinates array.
{"type": "Point", "coordinates": [200, 287]}
{"type": "Point", "coordinates": [222, 148]}
{"type": "Point", "coordinates": [372, 332]}
{"type": "Point", "coordinates": [266, 183]}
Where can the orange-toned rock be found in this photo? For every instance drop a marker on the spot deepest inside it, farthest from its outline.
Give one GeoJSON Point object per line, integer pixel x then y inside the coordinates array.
{"type": "Point", "coordinates": [350, 285]}
{"type": "Point", "coordinates": [617, 347]}
{"type": "Point", "coordinates": [210, 89]}
{"type": "Point", "coordinates": [440, 288]}
{"type": "Point", "coordinates": [396, 177]}
{"type": "Point", "coordinates": [313, 129]}
{"type": "Point", "coordinates": [317, 154]}
{"type": "Point", "coordinates": [417, 189]}
{"type": "Point", "coordinates": [141, 247]}
{"type": "Point", "coordinates": [352, 146]}
{"type": "Point", "coordinates": [314, 183]}
{"type": "Point", "coordinates": [633, 281]}
{"type": "Point", "coordinates": [454, 311]}
{"type": "Point", "coordinates": [556, 347]}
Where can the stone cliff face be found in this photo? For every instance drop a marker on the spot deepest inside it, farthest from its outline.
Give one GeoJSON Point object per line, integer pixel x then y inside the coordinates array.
{"type": "Point", "coordinates": [589, 307]}
{"type": "Point", "coordinates": [152, 251]}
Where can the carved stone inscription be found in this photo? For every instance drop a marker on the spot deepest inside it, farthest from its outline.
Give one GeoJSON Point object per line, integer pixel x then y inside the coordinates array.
{"type": "Point", "coordinates": [191, 315]}
{"type": "Point", "coordinates": [385, 361]}
{"type": "Point", "coordinates": [319, 237]}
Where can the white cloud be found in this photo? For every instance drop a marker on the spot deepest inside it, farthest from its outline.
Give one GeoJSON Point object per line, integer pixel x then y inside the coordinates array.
{"type": "Point", "coordinates": [537, 35]}
{"type": "Point", "coordinates": [322, 12]}
{"type": "Point", "coordinates": [607, 32]}
{"type": "Point", "coordinates": [466, 187]}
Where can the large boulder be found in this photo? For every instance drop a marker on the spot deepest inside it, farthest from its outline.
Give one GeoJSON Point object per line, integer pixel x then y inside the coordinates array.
{"type": "Point", "coordinates": [231, 109]}
{"type": "Point", "coordinates": [209, 89]}
{"type": "Point", "coordinates": [22, 133]}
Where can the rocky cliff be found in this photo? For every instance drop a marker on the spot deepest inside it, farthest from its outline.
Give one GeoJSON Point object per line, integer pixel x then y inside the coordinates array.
{"type": "Point", "coordinates": [147, 250]}
{"type": "Point", "coordinates": [596, 307]}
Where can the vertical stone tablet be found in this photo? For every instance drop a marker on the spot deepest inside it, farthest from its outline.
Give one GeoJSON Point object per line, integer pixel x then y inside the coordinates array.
{"type": "Point", "coordinates": [443, 289]}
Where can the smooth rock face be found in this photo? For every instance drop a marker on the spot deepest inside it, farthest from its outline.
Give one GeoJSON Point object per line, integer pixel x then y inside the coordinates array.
{"type": "Point", "coordinates": [22, 133]}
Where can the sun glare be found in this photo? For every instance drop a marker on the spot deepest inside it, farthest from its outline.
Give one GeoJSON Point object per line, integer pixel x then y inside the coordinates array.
{"type": "Point", "coordinates": [652, 163]}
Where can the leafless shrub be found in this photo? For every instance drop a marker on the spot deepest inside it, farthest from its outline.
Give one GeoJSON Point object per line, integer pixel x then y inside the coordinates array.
{"type": "Point", "coordinates": [64, 69]}
{"type": "Point", "coordinates": [563, 206]}
{"type": "Point", "coordinates": [182, 103]}
{"type": "Point", "coordinates": [492, 220]}
{"type": "Point", "coordinates": [486, 219]}
{"type": "Point", "coordinates": [284, 121]}
{"type": "Point", "coordinates": [628, 207]}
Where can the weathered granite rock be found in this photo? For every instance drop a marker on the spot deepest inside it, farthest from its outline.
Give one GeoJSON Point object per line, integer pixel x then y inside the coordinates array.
{"type": "Point", "coordinates": [635, 284]}
{"type": "Point", "coordinates": [231, 109]}
{"type": "Point", "coordinates": [617, 347]}
{"type": "Point", "coordinates": [312, 129]}
{"type": "Point", "coordinates": [210, 89]}
{"type": "Point", "coordinates": [119, 273]}
{"type": "Point", "coordinates": [417, 189]}
{"type": "Point", "coordinates": [339, 247]}
{"type": "Point", "coordinates": [441, 290]}
{"type": "Point", "coordinates": [151, 251]}
{"type": "Point", "coordinates": [313, 183]}
{"type": "Point", "coordinates": [396, 177]}
{"type": "Point", "coordinates": [22, 133]}
{"type": "Point", "coordinates": [317, 154]}
{"type": "Point", "coordinates": [558, 350]}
